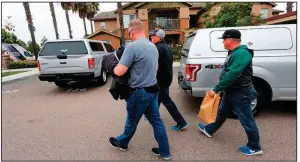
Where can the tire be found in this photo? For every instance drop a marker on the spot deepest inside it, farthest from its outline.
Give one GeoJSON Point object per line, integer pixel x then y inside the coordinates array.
{"type": "Point", "coordinates": [61, 84]}
{"type": "Point", "coordinates": [102, 79]}
{"type": "Point", "coordinates": [262, 100]}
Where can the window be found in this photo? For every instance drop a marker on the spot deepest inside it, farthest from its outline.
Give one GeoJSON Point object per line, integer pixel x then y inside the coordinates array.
{"type": "Point", "coordinates": [69, 48]}
{"type": "Point", "coordinates": [107, 41]}
{"type": "Point", "coordinates": [96, 47]}
{"type": "Point", "coordinates": [109, 48]}
{"type": "Point", "coordinates": [102, 25]}
{"type": "Point", "coordinates": [257, 38]}
{"type": "Point", "coordinates": [264, 13]}
{"type": "Point", "coordinates": [127, 19]}
{"type": "Point", "coordinates": [188, 43]}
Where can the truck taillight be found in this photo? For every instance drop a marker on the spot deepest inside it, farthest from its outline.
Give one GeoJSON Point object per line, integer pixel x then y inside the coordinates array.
{"type": "Point", "coordinates": [91, 63]}
{"type": "Point", "coordinates": [38, 65]}
{"type": "Point", "coordinates": [191, 72]}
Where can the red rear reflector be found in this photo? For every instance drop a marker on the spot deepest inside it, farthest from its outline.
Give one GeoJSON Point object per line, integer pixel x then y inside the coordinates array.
{"type": "Point", "coordinates": [38, 65]}
{"type": "Point", "coordinates": [191, 72]}
{"type": "Point", "coordinates": [91, 63]}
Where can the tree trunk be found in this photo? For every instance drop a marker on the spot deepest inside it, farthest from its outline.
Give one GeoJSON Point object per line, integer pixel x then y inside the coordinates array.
{"type": "Point", "coordinates": [31, 28]}
{"type": "Point", "coordinates": [92, 30]}
{"type": "Point", "coordinates": [69, 24]}
{"type": "Point", "coordinates": [54, 19]}
{"type": "Point", "coordinates": [120, 14]}
{"type": "Point", "coordinates": [84, 26]}
{"type": "Point", "coordinates": [289, 6]}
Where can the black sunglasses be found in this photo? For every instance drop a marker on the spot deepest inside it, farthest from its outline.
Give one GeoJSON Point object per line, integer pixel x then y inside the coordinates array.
{"type": "Point", "coordinates": [130, 31]}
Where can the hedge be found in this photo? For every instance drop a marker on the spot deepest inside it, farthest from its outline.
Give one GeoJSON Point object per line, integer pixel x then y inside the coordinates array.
{"type": "Point", "coordinates": [176, 53]}
{"type": "Point", "coordinates": [22, 64]}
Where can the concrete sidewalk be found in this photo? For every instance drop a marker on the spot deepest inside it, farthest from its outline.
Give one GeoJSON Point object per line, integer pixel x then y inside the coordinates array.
{"type": "Point", "coordinates": [30, 72]}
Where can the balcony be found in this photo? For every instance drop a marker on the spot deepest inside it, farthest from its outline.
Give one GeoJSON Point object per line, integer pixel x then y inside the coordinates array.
{"type": "Point", "coordinates": [166, 24]}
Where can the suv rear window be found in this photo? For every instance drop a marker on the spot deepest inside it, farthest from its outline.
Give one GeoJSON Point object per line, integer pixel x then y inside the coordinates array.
{"type": "Point", "coordinates": [188, 43]}
{"type": "Point", "coordinates": [69, 48]}
{"type": "Point", "coordinates": [96, 47]}
{"type": "Point", "coordinates": [109, 48]}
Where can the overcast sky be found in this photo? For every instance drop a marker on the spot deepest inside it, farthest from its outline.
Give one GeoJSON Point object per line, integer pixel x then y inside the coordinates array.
{"type": "Point", "coordinates": [42, 20]}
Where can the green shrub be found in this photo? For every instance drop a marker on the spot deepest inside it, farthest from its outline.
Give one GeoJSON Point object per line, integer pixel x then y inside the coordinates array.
{"type": "Point", "coordinates": [176, 53]}
{"type": "Point", "coordinates": [22, 64]}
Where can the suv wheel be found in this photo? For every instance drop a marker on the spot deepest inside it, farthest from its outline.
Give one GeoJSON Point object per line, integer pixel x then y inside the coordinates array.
{"type": "Point", "coordinates": [262, 100]}
{"type": "Point", "coordinates": [61, 84]}
{"type": "Point", "coordinates": [102, 79]}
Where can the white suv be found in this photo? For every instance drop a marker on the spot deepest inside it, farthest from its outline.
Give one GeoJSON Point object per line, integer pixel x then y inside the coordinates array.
{"type": "Point", "coordinates": [274, 61]}
{"type": "Point", "coordinates": [62, 61]}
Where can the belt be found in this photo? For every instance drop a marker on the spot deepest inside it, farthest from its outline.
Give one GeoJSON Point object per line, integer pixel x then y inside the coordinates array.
{"type": "Point", "coordinates": [151, 89]}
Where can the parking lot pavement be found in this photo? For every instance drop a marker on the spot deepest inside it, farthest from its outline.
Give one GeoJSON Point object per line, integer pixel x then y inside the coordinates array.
{"type": "Point", "coordinates": [43, 122]}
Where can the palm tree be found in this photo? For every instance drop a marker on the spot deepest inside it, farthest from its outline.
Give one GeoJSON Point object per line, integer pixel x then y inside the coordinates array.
{"type": "Point", "coordinates": [92, 11]}
{"type": "Point", "coordinates": [67, 6]}
{"type": "Point", "coordinates": [82, 9]}
{"type": "Point", "coordinates": [54, 19]}
{"type": "Point", "coordinates": [30, 27]}
{"type": "Point", "coordinates": [120, 15]}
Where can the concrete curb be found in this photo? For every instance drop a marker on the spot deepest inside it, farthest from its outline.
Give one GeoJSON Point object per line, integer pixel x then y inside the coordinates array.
{"type": "Point", "coordinates": [34, 71]}
{"type": "Point", "coordinates": [31, 72]}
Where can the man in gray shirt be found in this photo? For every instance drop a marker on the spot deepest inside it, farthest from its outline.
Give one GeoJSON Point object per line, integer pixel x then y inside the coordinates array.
{"type": "Point", "coordinates": [141, 59]}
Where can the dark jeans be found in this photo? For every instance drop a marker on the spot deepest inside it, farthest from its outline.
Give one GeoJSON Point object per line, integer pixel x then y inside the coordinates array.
{"type": "Point", "coordinates": [165, 99]}
{"type": "Point", "coordinates": [139, 103]}
{"type": "Point", "coordinates": [241, 103]}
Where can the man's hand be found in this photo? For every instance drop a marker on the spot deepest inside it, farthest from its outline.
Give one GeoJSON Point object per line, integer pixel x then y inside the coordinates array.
{"type": "Point", "coordinates": [211, 93]}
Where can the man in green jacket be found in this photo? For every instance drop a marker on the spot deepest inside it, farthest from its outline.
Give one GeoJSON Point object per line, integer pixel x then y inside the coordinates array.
{"type": "Point", "coordinates": [236, 82]}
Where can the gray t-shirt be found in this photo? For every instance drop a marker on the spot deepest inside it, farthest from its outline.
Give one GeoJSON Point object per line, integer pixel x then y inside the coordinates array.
{"type": "Point", "coordinates": [141, 57]}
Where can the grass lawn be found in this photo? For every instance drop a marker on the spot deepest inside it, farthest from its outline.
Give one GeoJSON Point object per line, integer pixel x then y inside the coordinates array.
{"type": "Point", "coordinates": [11, 73]}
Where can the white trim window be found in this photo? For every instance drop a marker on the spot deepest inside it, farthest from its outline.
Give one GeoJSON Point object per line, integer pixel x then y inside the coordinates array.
{"type": "Point", "coordinates": [264, 13]}
{"type": "Point", "coordinates": [127, 19]}
{"type": "Point", "coordinates": [107, 41]}
{"type": "Point", "coordinates": [102, 25]}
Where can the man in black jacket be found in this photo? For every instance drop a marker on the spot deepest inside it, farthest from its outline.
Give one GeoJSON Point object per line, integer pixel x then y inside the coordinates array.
{"type": "Point", "coordinates": [165, 77]}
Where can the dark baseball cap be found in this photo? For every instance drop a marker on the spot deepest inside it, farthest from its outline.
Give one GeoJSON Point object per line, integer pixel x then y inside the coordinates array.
{"type": "Point", "coordinates": [232, 33]}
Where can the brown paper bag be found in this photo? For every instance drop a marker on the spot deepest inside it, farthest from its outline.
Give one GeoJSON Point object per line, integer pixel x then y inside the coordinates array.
{"type": "Point", "coordinates": [209, 108]}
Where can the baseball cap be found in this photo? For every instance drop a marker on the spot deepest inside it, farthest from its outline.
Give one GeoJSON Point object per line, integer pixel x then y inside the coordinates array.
{"type": "Point", "coordinates": [232, 33]}
{"type": "Point", "coordinates": [160, 33]}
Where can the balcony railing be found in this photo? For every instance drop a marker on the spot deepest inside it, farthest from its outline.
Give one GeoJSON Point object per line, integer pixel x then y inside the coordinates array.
{"type": "Point", "coordinates": [166, 24]}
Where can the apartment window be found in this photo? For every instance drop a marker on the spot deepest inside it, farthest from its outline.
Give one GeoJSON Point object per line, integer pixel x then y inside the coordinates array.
{"type": "Point", "coordinates": [127, 19]}
{"type": "Point", "coordinates": [264, 13]}
{"type": "Point", "coordinates": [107, 41]}
{"type": "Point", "coordinates": [102, 25]}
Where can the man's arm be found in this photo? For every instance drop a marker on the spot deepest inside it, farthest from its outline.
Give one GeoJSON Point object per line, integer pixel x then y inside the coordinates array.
{"type": "Point", "coordinates": [239, 62]}
{"type": "Point", "coordinates": [125, 62]}
{"type": "Point", "coordinates": [120, 69]}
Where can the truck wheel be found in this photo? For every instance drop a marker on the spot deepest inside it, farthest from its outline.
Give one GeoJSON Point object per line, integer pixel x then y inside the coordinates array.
{"type": "Point", "coordinates": [102, 79]}
{"type": "Point", "coordinates": [262, 99]}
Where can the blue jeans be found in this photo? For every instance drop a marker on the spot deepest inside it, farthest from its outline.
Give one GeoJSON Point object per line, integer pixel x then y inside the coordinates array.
{"type": "Point", "coordinates": [139, 103]}
{"type": "Point", "coordinates": [241, 102]}
{"type": "Point", "coordinates": [165, 99]}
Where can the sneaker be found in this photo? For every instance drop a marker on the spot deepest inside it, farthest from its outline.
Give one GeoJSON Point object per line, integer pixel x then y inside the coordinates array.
{"type": "Point", "coordinates": [247, 151]}
{"type": "Point", "coordinates": [114, 142]}
{"type": "Point", "coordinates": [202, 129]}
{"type": "Point", "coordinates": [179, 127]}
{"type": "Point", "coordinates": [156, 152]}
